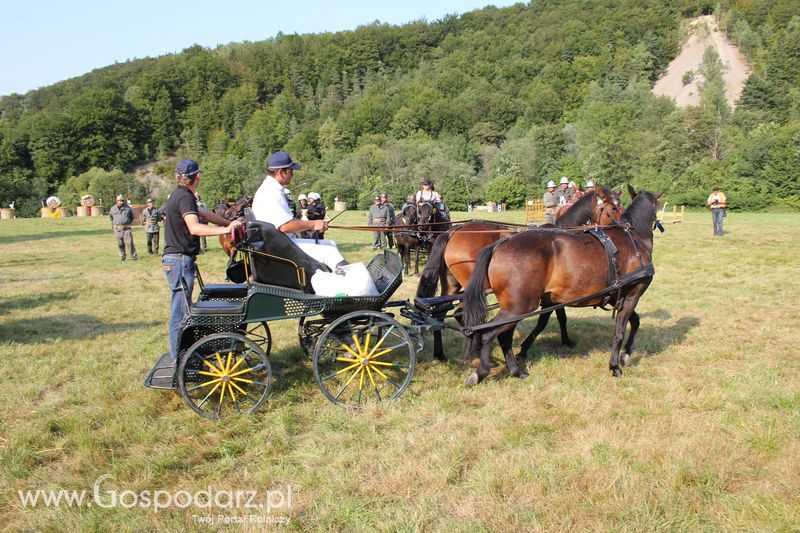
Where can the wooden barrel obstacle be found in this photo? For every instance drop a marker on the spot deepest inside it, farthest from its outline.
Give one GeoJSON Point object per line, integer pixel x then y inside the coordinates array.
{"type": "Point", "coordinates": [8, 213]}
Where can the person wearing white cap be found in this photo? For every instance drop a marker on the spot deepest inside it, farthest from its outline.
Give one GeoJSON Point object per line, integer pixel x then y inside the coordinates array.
{"type": "Point", "coordinates": [316, 211]}
{"type": "Point", "coordinates": [589, 186]}
{"type": "Point", "coordinates": [564, 192]}
{"type": "Point", "coordinates": [550, 200]}
{"type": "Point", "coordinates": [269, 205]}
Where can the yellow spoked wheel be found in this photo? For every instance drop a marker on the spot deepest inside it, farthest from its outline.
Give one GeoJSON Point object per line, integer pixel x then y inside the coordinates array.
{"type": "Point", "coordinates": [363, 357]}
{"type": "Point", "coordinates": [225, 374]}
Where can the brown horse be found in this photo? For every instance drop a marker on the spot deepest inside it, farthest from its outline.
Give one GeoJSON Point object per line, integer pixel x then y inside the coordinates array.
{"type": "Point", "coordinates": [453, 256]}
{"type": "Point", "coordinates": [231, 212]}
{"type": "Point", "coordinates": [554, 267]}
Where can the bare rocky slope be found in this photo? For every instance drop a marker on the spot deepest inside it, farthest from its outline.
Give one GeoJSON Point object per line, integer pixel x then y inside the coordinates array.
{"type": "Point", "coordinates": [703, 32]}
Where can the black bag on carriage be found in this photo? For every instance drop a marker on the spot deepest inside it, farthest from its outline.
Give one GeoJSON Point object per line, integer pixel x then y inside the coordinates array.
{"type": "Point", "coordinates": [276, 260]}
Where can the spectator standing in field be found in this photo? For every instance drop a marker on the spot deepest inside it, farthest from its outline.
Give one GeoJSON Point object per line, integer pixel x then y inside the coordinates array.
{"type": "Point", "coordinates": [121, 216]}
{"type": "Point", "coordinates": [550, 200]}
{"type": "Point", "coordinates": [378, 215]}
{"type": "Point", "coordinates": [151, 216]}
{"type": "Point", "coordinates": [564, 193]}
{"type": "Point", "coordinates": [718, 202]}
{"type": "Point", "coordinates": [385, 201]}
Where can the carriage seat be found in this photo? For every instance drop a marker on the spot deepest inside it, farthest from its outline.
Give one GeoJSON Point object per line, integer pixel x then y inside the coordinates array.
{"type": "Point", "coordinates": [276, 260]}
{"type": "Point", "coordinates": [217, 307]}
{"type": "Point", "coordinates": [223, 291]}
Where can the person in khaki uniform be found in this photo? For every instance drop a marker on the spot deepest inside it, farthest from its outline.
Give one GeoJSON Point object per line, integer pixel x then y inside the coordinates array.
{"type": "Point", "coordinates": [550, 200]}
{"type": "Point", "coordinates": [385, 201]}
{"type": "Point", "coordinates": [378, 216]}
{"type": "Point", "coordinates": [121, 216]}
{"type": "Point", "coordinates": [151, 216]}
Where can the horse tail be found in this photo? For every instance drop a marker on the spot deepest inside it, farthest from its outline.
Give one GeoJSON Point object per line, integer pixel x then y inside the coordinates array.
{"type": "Point", "coordinates": [474, 303]}
{"type": "Point", "coordinates": [434, 268]}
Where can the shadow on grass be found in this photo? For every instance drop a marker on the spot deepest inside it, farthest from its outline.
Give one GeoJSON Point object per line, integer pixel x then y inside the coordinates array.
{"type": "Point", "coordinates": [64, 327]}
{"type": "Point", "coordinates": [32, 302]}
{"type": "Point", "coordinates": [57, 235]}
{"type": "Point", "coordinates": [590, 334]}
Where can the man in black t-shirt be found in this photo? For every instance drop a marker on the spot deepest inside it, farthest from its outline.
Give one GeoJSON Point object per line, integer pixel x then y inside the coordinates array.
{"type": "Point", "coordinates": [182, 229]}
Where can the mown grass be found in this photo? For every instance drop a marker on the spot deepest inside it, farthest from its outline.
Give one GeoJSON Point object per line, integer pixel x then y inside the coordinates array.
{"type": "Point", "coordinates": [701, 433]}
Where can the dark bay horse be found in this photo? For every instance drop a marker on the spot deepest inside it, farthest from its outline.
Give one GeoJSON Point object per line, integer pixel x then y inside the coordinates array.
{"type": "Point", "coordinates": [453, 256]}
{"type": "Point", "coordinates": [553, 267]}
{"type": "Point", "coordinates": [406, 239]}
{"type": "Point", "coordinates": [231, 212]}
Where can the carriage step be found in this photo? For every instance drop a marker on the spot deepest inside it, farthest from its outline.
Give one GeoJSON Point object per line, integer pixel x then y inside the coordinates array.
{"type": "Point", "coordinates": [437, 303]}
{"type": "Point", "coordinates": [163, 374]}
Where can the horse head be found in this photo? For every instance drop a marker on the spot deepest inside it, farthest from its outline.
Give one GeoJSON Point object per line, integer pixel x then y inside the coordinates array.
{"type": "Point", "coordinates": [409, 215]}
{"type": "Point", "coordinates": [642, 214]}
{"type": "Point", "coordinates": [608, 208]}
{"type": "Point", "coordinates": [236, 210]}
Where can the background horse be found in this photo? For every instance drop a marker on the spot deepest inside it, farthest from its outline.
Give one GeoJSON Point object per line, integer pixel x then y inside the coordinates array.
{"type": "Point", "coordinates": [452, 259]}
{"type": "Point", "coordinates": [554, 268]}
{"type": "Point", "coordinates": [406, 239]}
{"type": "Point", "coordinates": [231, 212]}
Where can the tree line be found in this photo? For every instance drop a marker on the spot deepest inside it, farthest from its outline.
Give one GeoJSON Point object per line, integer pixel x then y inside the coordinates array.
{"type": "Point", "coordinates": [489, 104]}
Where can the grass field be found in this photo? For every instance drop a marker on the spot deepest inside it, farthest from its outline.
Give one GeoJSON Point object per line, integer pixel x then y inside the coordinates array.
{"type": "Point", "coordinates": [703, 432]}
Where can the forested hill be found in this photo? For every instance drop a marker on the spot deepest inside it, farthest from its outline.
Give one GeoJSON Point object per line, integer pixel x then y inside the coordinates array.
{"type": "Point", "coordinates": [490, 104]}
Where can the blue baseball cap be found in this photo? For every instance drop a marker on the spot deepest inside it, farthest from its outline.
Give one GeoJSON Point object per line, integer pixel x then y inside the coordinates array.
{"type": "Point", "coordinates": [188, 167]}
{"type": "Point", "coordinates": [280, 160]}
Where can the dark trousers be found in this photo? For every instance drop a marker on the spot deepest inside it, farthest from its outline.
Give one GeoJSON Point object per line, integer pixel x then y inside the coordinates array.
{"type": "Point", "coordinates": [152, 243]}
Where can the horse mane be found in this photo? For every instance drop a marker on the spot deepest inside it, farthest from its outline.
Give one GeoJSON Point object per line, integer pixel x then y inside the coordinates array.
{"type": "Point", "coordinates": [641, 213]}
{"type": "Point", "coordinates": [580, 212]}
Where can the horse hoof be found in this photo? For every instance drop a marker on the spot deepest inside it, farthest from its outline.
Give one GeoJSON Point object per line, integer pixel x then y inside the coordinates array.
{"type": "Point", "coordinates": [625, 359]}
{"type": "Point", "coordinates": [616, 372]}
{"type": "Point", "coordinates": [471, 380]}
{"type": "Point", "coordinates": [569, 344]}
{"type": "Point", "coordinates": [522, 375]}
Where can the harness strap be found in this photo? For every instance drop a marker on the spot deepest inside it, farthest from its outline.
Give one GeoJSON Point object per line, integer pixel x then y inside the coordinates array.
{"type": "Point", "coordinates": [647, 271]}
{"type": "Point", "coordinates": [611, 253]}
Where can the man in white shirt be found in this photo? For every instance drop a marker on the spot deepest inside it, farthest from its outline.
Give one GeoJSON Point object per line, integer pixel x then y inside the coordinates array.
{"type": "Point", "coordinates": [270, 205]}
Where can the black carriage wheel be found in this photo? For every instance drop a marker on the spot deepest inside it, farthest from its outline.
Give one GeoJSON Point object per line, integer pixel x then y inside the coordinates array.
{"type": "Point", "coordinates": [259, 332]}
{"type": "Point", "coordinates": [308, 332]}
{"type": "Point", "coordinates": [364, 357]}
{"type": "Point", "coordinates": [303, 339]}
{"type": "Point", "coordinates": [224, 374]}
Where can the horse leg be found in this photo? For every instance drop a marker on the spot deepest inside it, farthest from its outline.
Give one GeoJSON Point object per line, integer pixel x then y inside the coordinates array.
{"type": "Point", "coordinates": [634, 321]}
{"type": "Point", "coordinates": [623, 315]}
{"type": "Point", "coordinates": [544, 318]}
{"type": "Point", "coordinates": [561, 314]}
{"type": "Point", "coordinates": [416, 261]}
{"type": "Point", "coordinates": [438, 349]}
{"type": "Point", "coordinates": [484, 366]}
{"type": "Point", "coordinates": [515, 367]}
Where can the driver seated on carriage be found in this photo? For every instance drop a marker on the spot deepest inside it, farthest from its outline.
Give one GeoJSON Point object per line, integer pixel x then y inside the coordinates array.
{"type": "Point", "coordinates": [429, 195]}
{"type": "Point", "coordinates": [270, 205]}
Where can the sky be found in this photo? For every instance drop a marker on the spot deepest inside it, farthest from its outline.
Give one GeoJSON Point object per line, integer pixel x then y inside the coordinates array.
{"type": "Point", "coordinates": [45, 42]}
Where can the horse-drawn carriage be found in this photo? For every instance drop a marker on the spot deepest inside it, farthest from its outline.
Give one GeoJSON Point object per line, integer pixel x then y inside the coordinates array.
{"type": "Point", "coordinates": [358, 349]}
